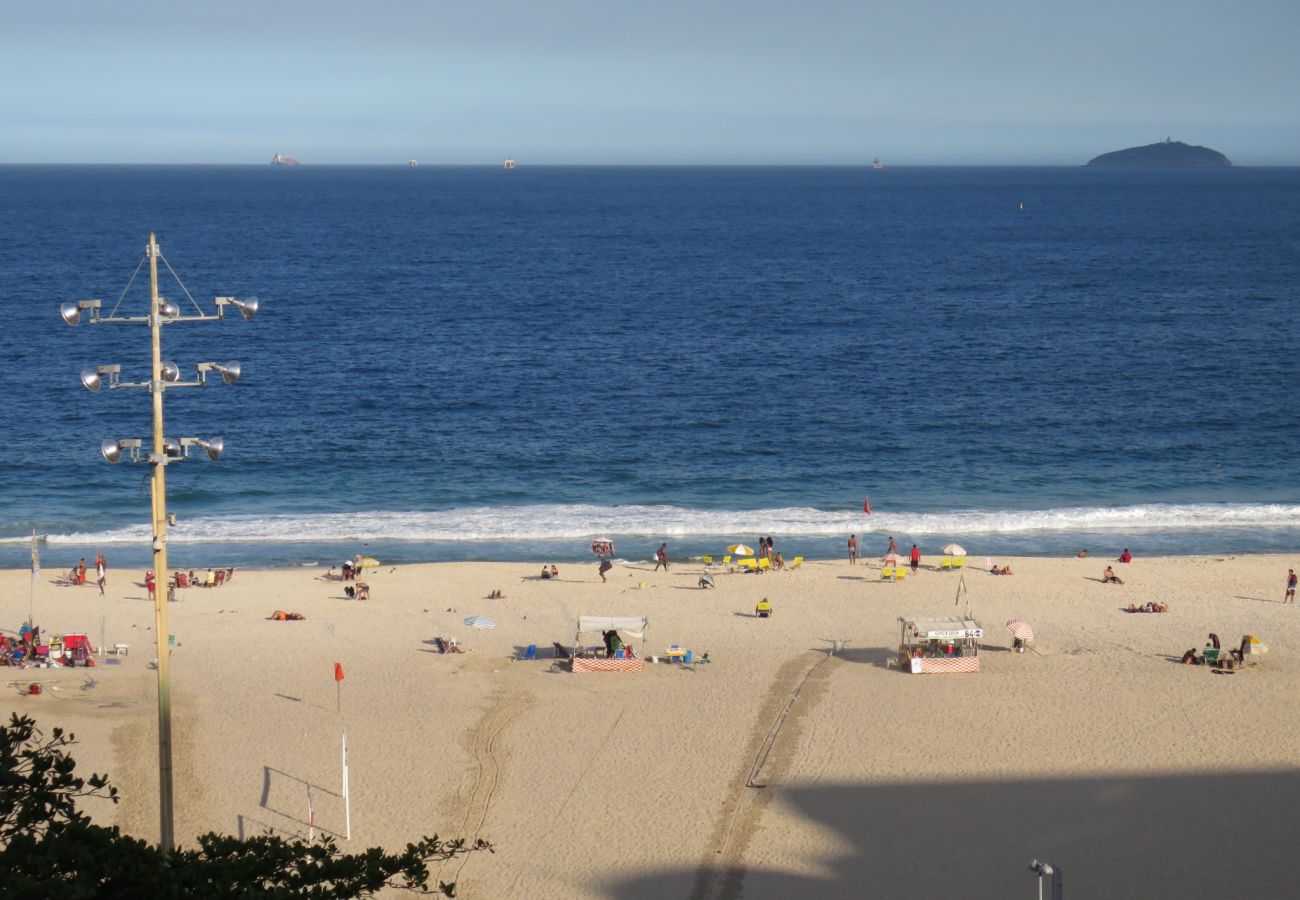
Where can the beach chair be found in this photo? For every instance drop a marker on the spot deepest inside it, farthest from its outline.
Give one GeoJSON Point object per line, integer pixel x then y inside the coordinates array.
{"type": "Point", "coordinates": [764, 564]}
{"type": "Point", "coordinates": [726, 562]}
{"type": "Point", "coordinates": [529, 653]}
{"type": "Point", "coordinates": [763, 609]}
{"type": "Point", "coordinates": [688, 658]}
{"type": "Point", "coordinates": [748, 563]}
{"type": "Point", "coordinates": [794, 564]}
{"type": "Point", "coordinates": [707, 560]}
{"type": "Point", "coordinates": [945, 562]}
{"type": "Point", "coordinates": [440, 645]}
{"type": "Point", "coordinates": [561, 652]}
{"type": "Point", "coordinates": [958, 562]}
{"type": "Point", "coordinates": [886, 574]}
{"type": "Point", "coordinates": [900, 573]}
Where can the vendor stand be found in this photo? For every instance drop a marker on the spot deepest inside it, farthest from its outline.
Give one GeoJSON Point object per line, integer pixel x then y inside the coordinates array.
{"type": "Point", "coordinates": [940, 646]}
{"type": "Point", "coordinates": [627, 627]}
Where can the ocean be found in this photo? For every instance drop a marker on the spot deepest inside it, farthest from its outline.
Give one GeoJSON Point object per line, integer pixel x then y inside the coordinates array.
{"type": "Point", "coordinates": [473, 363]}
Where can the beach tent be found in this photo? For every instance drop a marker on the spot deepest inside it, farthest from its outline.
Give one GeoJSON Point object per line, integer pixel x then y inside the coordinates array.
{"type": "Point", "coordinates": [629, 626]}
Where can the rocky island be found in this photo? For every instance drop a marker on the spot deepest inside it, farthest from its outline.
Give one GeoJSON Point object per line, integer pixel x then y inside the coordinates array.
{"type": "Point", "coordinates": [1168, 154]}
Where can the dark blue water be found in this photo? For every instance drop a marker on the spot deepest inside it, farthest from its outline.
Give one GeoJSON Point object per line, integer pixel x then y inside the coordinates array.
{"type": "Point", "coordinates": [468, 362]}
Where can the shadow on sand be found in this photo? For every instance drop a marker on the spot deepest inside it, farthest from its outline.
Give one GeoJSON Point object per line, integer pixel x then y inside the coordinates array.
{"type": "Point", "coordinates": [1225, 835]}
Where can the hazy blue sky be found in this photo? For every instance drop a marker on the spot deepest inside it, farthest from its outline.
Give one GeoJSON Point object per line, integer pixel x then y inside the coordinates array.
{"type": "Point", "coordinates": [668, 81]}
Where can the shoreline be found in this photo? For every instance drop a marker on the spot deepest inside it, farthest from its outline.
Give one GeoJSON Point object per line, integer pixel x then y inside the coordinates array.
{"type": "Point", "coordinates": [1095, 751]}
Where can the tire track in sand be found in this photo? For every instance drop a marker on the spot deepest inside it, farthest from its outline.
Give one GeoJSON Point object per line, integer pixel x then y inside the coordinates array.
{"type": "Point", "coordinates": [797, 687]}
{"type": "Point", "coordinates": [490, 758]}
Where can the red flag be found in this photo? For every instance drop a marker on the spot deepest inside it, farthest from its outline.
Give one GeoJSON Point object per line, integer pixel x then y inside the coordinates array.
{"type": "Point", "coordinates": [866, 505]}
{"type": "Point", "coordinates": [338, 671]}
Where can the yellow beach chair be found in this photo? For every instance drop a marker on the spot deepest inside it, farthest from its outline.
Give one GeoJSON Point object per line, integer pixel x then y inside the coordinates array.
{"type": "Point", "coordinates": [764, 564]}
{"type": "Point", "coordinates": [945, 563]}
{"type": "Point", "coordinates": [958, 562]}
{"type": "Point", "coordinates": [886, 574]}
{"type": "Point", "coordinates": [707, 560]}
{"type": "Point", "coordinates": [748, 563]}
{"type": "Point", "coordinates": [726, 562]}
{"type": "Point", "coordinates": [796, 562]}
{"type": "Point", "coordinates": [900, 573]}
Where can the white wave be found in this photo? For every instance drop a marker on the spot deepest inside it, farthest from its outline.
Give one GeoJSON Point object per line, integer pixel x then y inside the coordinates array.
{"type": "Point", "coordinates": [563, 522]}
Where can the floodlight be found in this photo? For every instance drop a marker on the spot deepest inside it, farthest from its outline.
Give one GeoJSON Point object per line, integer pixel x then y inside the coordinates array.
{"type": "Point", "coordinates": [90, 380]}
{"type": "Point", "coordinates": [71, 311]}
{"type": "Point", "coordinates": [214, 447]}
{"type": "Point", "coordinates": [111, 450]}
{"type": "Point", "coordinates": [167, 309]}
{"type": "Point", "coordinates": [171, 372]}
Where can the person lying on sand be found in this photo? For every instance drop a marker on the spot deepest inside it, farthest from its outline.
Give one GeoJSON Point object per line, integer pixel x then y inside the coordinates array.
{"type": "Point", "coordinates": [1151, 606]}
{"type": "Point", "coordinates": [1005, 570]}
{"type": "Point", "coordinates": [1109, 577]}
{"type": "Point", "coordinates": [281, 616]}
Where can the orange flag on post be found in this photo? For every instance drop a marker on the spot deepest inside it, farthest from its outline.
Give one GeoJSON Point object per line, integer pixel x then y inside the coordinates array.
{"type": "Point", "coordinates": [338, 685]}
{"type": "Point", "coordinates": [338, 671]}
{"type": "Point", "coordinates": [866, 505]}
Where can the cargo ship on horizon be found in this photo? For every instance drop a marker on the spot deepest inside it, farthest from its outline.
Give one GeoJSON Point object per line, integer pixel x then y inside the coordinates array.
{"type": "Point", "coordinates": [281, 159]}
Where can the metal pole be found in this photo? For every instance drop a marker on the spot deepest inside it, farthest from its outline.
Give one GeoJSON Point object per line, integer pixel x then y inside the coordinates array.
{"type": "Point", "coordinates": [158, 485]}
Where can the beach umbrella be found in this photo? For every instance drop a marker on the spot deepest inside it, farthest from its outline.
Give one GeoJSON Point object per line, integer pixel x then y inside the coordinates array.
{"type": "Point", "coordinates": [480, 622]}
{"type": "Point", "coordinates": [891, 559]}
{"type": "Point", "coordinates": [740, 550]}
{"type": "Point", "coordinates": [954, 550]}
{"type": "Point", "coordinates": [367, 562]}
{"type": "Point", "coordinates": [603, 547]}
{"type": "Point", "coordinates": [1020, 630]}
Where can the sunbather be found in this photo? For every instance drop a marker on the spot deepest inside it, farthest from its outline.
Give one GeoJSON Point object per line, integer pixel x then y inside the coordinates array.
{"type": "Point", "coordinates": [1109, 577]}
{"type": "Point", "coordinates": [281, 616]}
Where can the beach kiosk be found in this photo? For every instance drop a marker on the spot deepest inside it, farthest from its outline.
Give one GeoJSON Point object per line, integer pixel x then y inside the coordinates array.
{"type": "Point", "coordinates": [593, 627]}
{"type": "Point", "coordinates": [939, 646]}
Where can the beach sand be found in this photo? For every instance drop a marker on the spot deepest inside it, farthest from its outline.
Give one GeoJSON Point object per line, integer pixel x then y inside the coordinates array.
{"type": "Point", "coordinates": [1096, 751]}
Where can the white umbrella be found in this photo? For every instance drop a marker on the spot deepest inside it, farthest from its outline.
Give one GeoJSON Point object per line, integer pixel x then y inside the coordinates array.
{"type": "Point", "coordinates": [480, 622]}
{"type": "Point", "coordinates": [954, 550]}
{"type": "Point", "coordinates": [740, 550]}
{"type": "Point", "coordinates": [891, 559]}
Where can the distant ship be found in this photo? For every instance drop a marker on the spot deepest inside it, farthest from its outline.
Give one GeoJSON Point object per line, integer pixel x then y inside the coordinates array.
{"type": "Point", "coordinates": [510, 163]}
{"type": "Point", "coordinates": [877, 164]}
{"type": "Point", "coordinates": [281, 160]}
{"type": "Point", "coordinates": [412, 163]}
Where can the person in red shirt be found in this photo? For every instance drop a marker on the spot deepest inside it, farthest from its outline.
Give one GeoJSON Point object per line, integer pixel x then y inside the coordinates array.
{"type": "Point", "coordinates": [916, 558]}
{"type": "Point", "coordinates": [1126, 557]}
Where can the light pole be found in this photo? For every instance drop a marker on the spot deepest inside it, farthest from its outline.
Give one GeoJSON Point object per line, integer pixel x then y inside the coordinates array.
{"type": "Point", "coordinates": [163, 375]}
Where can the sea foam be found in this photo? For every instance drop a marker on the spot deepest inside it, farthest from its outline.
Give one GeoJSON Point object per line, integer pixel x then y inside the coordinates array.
{"type": "Point", "coordinates": [558, 522]}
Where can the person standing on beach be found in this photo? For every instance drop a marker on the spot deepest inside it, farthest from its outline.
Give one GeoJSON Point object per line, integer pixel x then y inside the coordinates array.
{"type": "Point", "coordinates": [916, 558]}
{"type": "Point", "coordinates": [101, 575]}
{"type": "Point", "coordinates": [893, 548]}
{"type": "Point", "coordinates": [1290, 586]}
{"type": "Point", "coordinates": [853, 549]}
{"type": "Point", "coordinates": [605, 566]}
{"type": "Point", "coordinates": [661, 557]}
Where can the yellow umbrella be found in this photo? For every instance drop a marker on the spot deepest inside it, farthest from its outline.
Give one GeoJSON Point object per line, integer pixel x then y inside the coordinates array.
{"type": "Point", "coordinates": [740, 550]}
{"type": "Point", "coordinates": [367, 562]}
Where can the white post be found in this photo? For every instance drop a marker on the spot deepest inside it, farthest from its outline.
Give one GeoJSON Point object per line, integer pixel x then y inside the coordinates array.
{"type": "Point", "coordinates": [347, 798]}
{"type": "Point", "coordinates": [311, 818]}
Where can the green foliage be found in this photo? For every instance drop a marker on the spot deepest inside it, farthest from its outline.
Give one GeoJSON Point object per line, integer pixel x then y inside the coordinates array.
{"type": "Point", "coordinates": [50, 848]}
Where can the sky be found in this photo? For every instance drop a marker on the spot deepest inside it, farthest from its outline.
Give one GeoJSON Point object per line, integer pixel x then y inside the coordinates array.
{"type": "Point", "coordinates": [707, 82]}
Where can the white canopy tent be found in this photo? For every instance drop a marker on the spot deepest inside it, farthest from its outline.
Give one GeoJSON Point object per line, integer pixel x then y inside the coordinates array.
{"type": "Point", "coordinates": [632, 626]}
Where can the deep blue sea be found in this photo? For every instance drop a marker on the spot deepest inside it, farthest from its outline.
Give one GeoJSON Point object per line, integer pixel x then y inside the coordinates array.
{"type": "Point", "coordinates": [473, 363]}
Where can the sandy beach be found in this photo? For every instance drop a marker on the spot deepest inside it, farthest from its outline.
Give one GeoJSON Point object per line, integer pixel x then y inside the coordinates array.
{"type": "Point", "coordinates": [1096, 751]}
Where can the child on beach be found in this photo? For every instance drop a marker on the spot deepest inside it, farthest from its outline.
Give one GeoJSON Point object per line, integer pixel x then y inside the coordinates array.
{"type": "Point", "coordinates": [1290, 586]}
{"type": "Point", "coordinates": [853, 549]}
